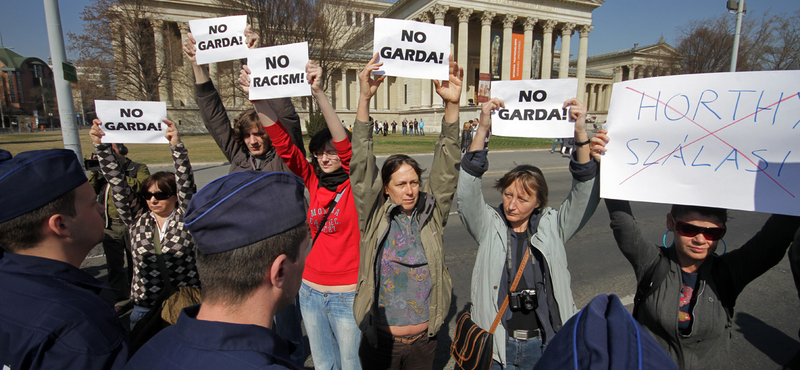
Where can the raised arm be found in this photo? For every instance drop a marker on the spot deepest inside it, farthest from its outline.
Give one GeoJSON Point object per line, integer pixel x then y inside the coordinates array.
{"type": "Point", "coordinates": [184, 177]}
{"type": "Point", "coordinates": [472, 208]}
{"type": "Point", "coordinates": [364, 178]}
{"type": "Point", "coordinates": [127, 202]}
{"type": "Point", "coordinates": [584, 195]}
{"type": "Point", "coordinates": [446, 155]}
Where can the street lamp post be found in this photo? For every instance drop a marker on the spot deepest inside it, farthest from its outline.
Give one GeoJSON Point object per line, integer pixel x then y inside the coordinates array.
{"type": "Point", "coordinates": [740, 9]}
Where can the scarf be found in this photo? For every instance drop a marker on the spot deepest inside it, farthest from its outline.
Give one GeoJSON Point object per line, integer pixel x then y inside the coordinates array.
{"type": "Point", "coordinates": [331, 181]}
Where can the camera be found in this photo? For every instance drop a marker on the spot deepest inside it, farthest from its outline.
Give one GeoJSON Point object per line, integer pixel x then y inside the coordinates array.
{"type": "Point", "coordinates": [523, 299]}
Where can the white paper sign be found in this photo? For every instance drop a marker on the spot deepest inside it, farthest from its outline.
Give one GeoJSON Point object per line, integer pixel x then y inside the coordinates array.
{"type": "Point", "coordinates": [534, 108]}
{"type": "Point", "coordinates": [279, 71]}
{"type": "Point", "coordinates": [132, 122]}
{"type": "Point", "coordinates": [219, 39]}
{"type": "Point", "coordinates": [412, 49]}
{"type": "Point", "coordinates": [727, 140]}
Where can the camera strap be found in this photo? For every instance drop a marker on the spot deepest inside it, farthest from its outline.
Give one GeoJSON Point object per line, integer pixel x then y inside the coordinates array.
{"type": "Point", "coordinates": [510, 262]}
{"type": "Point", "coordinates": [513, 287]}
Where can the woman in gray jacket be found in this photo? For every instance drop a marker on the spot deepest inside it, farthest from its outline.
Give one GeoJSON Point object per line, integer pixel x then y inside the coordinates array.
{"type": "Point", "coordinates": [523, 223]}
{"type": "Point", "coordinates": [688, 306]}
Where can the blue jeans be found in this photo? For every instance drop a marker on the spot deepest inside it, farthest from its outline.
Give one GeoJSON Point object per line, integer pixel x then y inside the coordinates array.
{"type": "Point", "coordinates": [332, 330]}
{"type": "Point", "coordinates": [521, 354]}
{"type": "Point", "coordinates": [137, 314]}
{"type": "Point", "coordinates": [555, 143]}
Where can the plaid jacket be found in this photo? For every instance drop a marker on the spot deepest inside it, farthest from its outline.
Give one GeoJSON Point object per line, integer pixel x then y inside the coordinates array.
{"type": "Point", "coordinates": [177, 247]}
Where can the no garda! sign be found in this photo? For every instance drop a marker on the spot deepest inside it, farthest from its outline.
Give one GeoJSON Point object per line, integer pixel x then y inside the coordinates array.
{"type": "Point", "coordinates": [534, 108]}
{"type": "Point", "coordinates": [412, 49]}
{"type": "Point", "coordinates": [219, 39]}
{"type": "Point", "coordinates": [132, 122]}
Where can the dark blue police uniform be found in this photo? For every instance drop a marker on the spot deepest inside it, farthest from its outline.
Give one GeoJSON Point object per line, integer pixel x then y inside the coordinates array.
{"type": "Point", "coordinates": [194, 344]}
{"type": "Point", "coordinates": [51, 317]}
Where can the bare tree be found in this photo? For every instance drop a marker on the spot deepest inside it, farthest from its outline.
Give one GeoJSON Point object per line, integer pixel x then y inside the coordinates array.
{"type": "Point", "coordinates": [322, 23]}
{"type": "Point", "coordinates": [119, 37]}
{"type": "Point", "coordinates": [766, 42]}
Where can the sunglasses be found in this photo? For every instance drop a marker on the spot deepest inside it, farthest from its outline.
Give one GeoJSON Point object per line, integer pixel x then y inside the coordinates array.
{"type": "Point", "coordinates": [690, 231]}
{"type": "Point", "coordinates": [159, 195]}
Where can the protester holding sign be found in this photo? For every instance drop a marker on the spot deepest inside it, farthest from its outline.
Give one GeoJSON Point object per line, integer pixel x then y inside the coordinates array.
{"type": "Point", "coordinates": [542, 301]}
{"type": "Point", "coordinates": [331, 268]}
{"type": "Point", "coordinates": [161, 246]}
{"type": "Point", "coordinates": [686, 292]}
{"type": "Point", "coordinates": [401, 309]}
{"type": "Point", "coordinates": [246, 145]}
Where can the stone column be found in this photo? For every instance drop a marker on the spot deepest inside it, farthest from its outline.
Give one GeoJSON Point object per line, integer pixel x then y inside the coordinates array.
{"type": "Point", "coordinates": [631, 72]}
{"type": "Point", "coordinates": [439, 11]}
{"type": "Point", "coordinates": [341, 100]}
{"type": "Point", "coordinates": [617, 74]}
{"type": "Point", "coordinates": [187, 95]}
{"type": "Point", "coordinates": [424, 86]}
{"type": "Point", "coordinates": [463, 47]}
{"type": "Point", "coordinates": [601, 98]}
{"type": "Point", "coordinates": [358, 91]}
{"type": "Point", "coordinates": [158, 32]}
{"type": "Point", "coordinates": [583, 50]}
{"type": "Point", "coordinates": [385, 86]}
{"type": "Point", "coordinates": [486, 40]}
{"type": "Point", "coordinates": [547, 49]}
{"type": "Point", "coordinates": [526, 46]}
{"type": "Point", "coordinates": [508, 24]}
{"type": "Point", "coordinates": [566, 35]}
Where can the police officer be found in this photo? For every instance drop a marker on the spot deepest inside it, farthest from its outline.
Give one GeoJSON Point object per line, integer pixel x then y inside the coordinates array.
{"type": "Point", "coordinates": [51, 315]}
{"type": "Point", "coordinates": [251, 261]}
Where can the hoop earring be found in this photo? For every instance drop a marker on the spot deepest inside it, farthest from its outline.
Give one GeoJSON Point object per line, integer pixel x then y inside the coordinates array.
{"type": "Point", "coordinates": [664, 240]}
{"type": "Point", "coordinates": [725, 250]}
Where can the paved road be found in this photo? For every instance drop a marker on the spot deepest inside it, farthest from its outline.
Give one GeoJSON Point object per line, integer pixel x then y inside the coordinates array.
{"type": "Point", "coordinates": [766, 321]}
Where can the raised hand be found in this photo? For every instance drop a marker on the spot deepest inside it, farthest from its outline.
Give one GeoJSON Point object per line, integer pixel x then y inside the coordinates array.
{"type": "Point", "coordinates": [314, 76]}
{"type": "Point", "coordinates": [599, 142]}
{"type": "Point", "coordinates": [244, 79]}
{"type": "Point", "coordinates": [450, 90]}
{"type": "Point", "coordinates": [369, 84]}
{"type": "Point", "coordinates": [486, 112]}
{"type": "Point", "coordinates": [96, 133]}
{"type": "Point", "coordinates": [190, 49]}
{"type": "Point", "coordinates": [171, 133]}
{"type": "Point", "coordinates": [250, 37]}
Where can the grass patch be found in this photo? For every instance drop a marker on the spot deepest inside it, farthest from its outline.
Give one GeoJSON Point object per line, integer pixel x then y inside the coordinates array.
{"type": "Point", "coordinates": [202, 147]}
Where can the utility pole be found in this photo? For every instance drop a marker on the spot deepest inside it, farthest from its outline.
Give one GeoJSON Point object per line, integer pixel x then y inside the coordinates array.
{"type": "Point", "coordinates": [735, 52]}
{"type": "Point", "coordinates": [66, 108]}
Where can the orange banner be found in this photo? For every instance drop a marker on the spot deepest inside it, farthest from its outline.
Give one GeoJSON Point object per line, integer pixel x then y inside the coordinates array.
{"type": "Point", "coordinates": [516, 55]}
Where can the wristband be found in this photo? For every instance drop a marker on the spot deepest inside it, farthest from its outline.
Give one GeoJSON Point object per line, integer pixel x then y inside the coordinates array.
{"type": "Point", "coordinates": [583, 143]}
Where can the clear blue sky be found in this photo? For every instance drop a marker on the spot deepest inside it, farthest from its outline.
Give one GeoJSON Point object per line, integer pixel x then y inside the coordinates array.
{"type": "Point", "coordinates": [618, 24]}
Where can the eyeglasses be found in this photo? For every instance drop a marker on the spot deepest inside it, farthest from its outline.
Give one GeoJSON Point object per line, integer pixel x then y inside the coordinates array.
{"type": "Point", "coordinates": [330, 154]}
{"type": "Point", "coordinates": [690, 231]}
{"type": "Point", "coordinates": [159, 195]}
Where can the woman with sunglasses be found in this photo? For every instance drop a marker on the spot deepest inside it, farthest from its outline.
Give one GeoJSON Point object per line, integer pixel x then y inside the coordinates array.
{"type": "Point", "coordinates": [331, 268]}
{"type": "Point", "coordinates": [160, 243]}
{"type": "Point", "coordinates": [689, 310]}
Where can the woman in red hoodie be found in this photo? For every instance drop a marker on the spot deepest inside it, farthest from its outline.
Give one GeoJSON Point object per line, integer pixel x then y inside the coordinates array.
{"type": "Point", "coordinates": [331, 271]}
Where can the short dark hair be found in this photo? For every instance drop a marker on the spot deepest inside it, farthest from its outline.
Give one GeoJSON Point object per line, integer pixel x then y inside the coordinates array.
{"type": "Point", "coordinates": [244, 124]}
{"type": "Point", "coordinates": [394, 162]}
{"type": "Point", "coordinates": [318, 143]}
{"type": "Point", "coordinates": [23, 231]}
{"type": "Point", "coordinates": [232, 276]}
{"type": "Point", "coordinates": [165, 181]}
{"type": "Point", "coordinates": [532, 180]}
{"type": "Point", "coordinates": [720, 214]}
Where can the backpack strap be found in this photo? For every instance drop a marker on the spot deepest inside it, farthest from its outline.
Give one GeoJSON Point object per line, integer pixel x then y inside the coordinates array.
{"type": "Point", "coordinates": [652, 278]}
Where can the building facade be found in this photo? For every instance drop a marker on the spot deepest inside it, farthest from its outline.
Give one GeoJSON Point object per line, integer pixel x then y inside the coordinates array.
{"type": "Point", "coordinates": [27, 92]}
{"type": "Point", "coordinates": [482, 32]}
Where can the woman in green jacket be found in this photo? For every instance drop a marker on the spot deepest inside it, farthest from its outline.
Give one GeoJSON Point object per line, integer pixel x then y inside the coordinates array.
{"type": "Point", "coordinates": [403, 292]}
